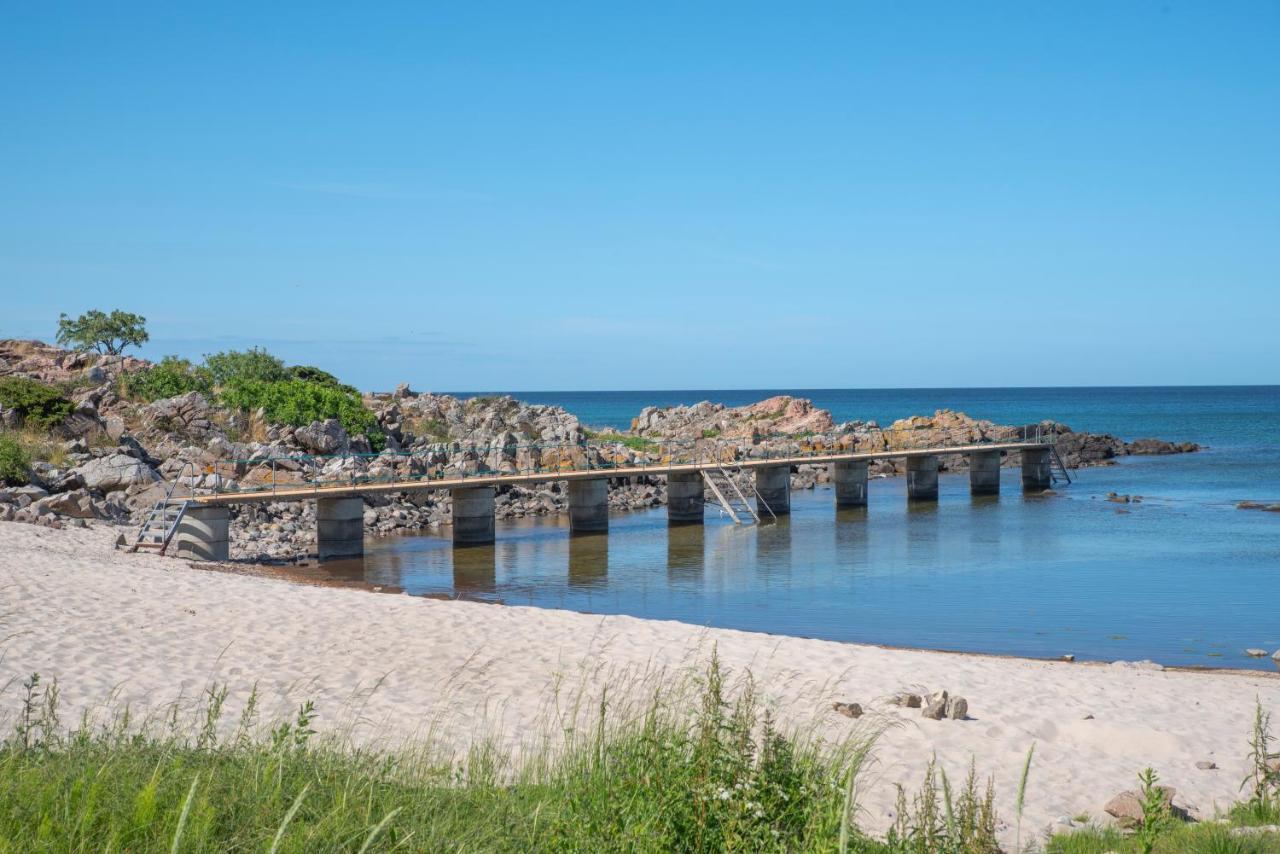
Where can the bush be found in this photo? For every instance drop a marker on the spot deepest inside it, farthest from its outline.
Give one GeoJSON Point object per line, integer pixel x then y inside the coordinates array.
{"type": "Point", "coordinates": [38, 405]}
{"type": "Point", "coordinates": [170, 378]}
{"type": "Point", "coordinates": [312, 374]}
{"type": "Point", "coordinates": [252, 364]}
{"type": "Point", "coordinates": [297, 403]}
{"type": "Point", "coordinates": [15, 464]}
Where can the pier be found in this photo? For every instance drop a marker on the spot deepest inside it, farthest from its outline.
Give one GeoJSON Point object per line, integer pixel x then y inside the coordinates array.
{"type": "Point", "coordinates": [198, 525]}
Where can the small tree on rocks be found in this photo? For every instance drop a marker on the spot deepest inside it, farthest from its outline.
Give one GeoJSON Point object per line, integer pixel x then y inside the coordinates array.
{"type": "Point", "coordinates": [107, 334]}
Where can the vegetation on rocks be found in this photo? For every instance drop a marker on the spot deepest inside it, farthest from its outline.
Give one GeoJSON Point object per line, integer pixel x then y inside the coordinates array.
{"type": "Point", "coordinates": [15, 462]}
{"type": "Point", "coordinates": [171, 377]}
{"type": "Point", "coordinates": [106, 334]}
{"type": "Point", "coordinates": [38, 405]}
{"type": "Point", "coordinates": [299, 402]}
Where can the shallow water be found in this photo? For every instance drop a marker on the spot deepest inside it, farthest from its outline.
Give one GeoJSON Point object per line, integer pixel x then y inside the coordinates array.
{"type": "Point", "coordinates": [1182, 577]}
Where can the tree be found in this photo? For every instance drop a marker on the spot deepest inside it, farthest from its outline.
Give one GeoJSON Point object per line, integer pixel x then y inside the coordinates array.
{"type": "Point", "coordinates": [108, 334]}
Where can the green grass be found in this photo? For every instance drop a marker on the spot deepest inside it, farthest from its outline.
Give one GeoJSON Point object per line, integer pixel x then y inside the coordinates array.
{"type": "Point", "coordinates": [635, 443]}
{"type": "Point", "coordinates": [1206, 838]}
{"type": "Point", "coordinates": [716, 775]}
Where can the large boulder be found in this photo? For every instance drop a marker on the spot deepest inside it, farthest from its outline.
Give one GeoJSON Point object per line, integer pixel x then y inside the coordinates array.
{"type": "Point", "coordinates": [187, 414]}
{"type": "Point", "coordinates": [116, 471]}
{"type": "Point", "coordinates": [323, 437]}
{"type": "Point", "coordinates": [77, 504]}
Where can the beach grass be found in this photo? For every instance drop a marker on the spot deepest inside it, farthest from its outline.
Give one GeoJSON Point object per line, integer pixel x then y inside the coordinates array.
{"type": "Point", "coordinates": [716, 775]}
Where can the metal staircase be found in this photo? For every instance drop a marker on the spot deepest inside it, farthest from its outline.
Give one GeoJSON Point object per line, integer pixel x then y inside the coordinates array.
{"type": "Point", "coordinates": [1057, 469]}
{"type": "Point", "coordinates": [724, 486]}
{"type": "Point", "coordinates": [163, 520]}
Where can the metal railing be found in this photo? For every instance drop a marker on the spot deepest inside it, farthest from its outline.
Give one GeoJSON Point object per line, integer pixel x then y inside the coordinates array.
{"type": "Point", "coordinates": [460, 460]}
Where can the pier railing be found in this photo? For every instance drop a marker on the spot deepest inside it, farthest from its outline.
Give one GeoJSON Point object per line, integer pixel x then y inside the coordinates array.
{"type": "Point", "coordinates": [458, 460]}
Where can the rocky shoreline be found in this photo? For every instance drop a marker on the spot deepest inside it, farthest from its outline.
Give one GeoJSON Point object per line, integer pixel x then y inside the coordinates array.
{"type": "Point", "coordinates": [112, 457]}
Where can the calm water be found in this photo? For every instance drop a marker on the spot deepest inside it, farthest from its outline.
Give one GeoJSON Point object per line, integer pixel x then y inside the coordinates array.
{"type": "Point", "coordinates": [1182, 578]}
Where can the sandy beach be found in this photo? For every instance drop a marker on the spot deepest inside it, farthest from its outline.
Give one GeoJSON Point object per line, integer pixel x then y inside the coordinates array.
{"type": "Point", "coordinates": [116, 628]}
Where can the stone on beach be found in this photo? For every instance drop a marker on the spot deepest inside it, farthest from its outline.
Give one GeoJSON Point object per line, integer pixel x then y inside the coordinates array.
{"type": "Point", "coordinates": [849, 710]}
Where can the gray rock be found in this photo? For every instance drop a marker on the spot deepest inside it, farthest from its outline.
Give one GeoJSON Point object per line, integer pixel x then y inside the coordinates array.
{"type": "Point", "coordinates": [935, 710]}
{"type": "Point", "coordinates": [77, 504]}
{"type": "Point", "coordinates": [1206, 765]}
{"type": "Point", "coordinates": [1254, 652]}
{"type": "Point", "coordinates": [849, 710]}
{"type": "Point", "coordinates": [907, 700]}
{"type": "Point", "coordinates": [958, 709]}
{"type": "Point", "coordinates": [323, 437]}
{"type": "Point", "coordinates": [116, 471]}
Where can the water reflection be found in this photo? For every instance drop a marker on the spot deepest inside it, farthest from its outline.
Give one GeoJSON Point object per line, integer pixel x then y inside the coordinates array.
{"type": "Point", "coordinates": [589, 560]}
{"type": "Point", "coordinates": [475, 570]}
{"type": "Point", "coordinates": [851, 530]}
{"type": "Point", "coordinates": [686, 549]}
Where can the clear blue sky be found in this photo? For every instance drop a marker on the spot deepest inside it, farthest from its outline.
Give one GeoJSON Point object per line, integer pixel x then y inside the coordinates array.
{"type": "Point", "coordinates": [557, 196]}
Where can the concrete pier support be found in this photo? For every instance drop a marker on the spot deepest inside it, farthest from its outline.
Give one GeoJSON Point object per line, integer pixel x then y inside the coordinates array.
{"type": "Point", "coordinates": [685, 498]}
{"type": "Point", "coordinates": [773, 485]}
{"type": "Point", "coordinates": [339, 527]}
{"type": "Point", "coordinates": [472, 515]}
{"type": "Point", "coordinates": [922, 478]}
{"type": "Point", "coordinates": [203, 534]}
{"type": "Point", "coordinates": [588, 506]}
{"type": "Point", "coordinates": [1036, 474]}
{"type": "Point", "coordinates": [984, 473]}
{"type": "Point", "coordinates": [850, 479]}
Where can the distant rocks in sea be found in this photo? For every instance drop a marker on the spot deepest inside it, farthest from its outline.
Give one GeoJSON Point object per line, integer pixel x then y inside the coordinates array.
{"type": "Point", "coordinates": [1266, 507]}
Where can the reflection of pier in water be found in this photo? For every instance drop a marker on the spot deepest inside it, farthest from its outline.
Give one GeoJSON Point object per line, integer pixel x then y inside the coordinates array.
{"type": "Point", "coordinates": [475, 571]}
{"type": "Point", "coordinates": [588, 560]}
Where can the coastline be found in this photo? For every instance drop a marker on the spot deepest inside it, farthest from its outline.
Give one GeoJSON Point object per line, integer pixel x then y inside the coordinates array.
{"type": "Point", "coordinates": [119, 628]}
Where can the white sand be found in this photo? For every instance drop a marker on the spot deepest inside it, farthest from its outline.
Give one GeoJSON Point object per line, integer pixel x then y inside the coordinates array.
{"type": "Point", "coordinates": [114, 627]}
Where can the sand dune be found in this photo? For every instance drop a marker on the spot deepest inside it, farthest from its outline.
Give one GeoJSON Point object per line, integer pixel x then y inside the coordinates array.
{"type": "Point", "coordinates": [118, 628]}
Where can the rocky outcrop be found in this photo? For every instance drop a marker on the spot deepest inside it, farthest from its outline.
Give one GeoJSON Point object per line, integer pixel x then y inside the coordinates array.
{"type": "Point", "coordinates": [117, 457]}
{"type": "Point", "coordinates": [781, 415]}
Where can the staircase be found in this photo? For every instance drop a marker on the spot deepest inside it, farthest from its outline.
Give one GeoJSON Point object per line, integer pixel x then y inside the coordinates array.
{"type": "Point", "coordinates": [724, 486]}
{"type": "Point", "coordinates": [1057, 470]}
{"type": "Point", "coordinates": [162, 522]}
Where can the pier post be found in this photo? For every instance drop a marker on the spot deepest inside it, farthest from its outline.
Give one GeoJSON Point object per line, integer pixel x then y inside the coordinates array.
{"type": "Point", "coordinates": [339, 527]}
{"type": "Point", "coordinates": [773, 486]}
{"type": "Point", "coordinates": [472, 515]}
{"type": "Point", "coordinates": [922, 478]}
{"type": "Point", "coordinates": [203, 534]}
{"type": "Point", "coordinates": [685, 498]}
{"type": "Point", "coordinates": [588, 506]}
{"type": "Point", "coordinates": [850, 479]}
{"type": "Point", "coordinates": [984, 473]}
{"type": "Point", "coordinates": [1036, 474]}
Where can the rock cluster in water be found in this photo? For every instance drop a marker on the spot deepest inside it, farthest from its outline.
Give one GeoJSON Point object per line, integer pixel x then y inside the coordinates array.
{"type": "Point", "coordinates": [114, 457]}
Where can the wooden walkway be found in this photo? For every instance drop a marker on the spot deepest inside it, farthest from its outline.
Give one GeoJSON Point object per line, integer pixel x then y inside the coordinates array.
{"type": "Point", "coordinates": [296, 492]}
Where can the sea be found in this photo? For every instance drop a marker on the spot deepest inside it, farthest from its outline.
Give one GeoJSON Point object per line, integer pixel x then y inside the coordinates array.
{"type": "Point", "coordinates": [1182, 577]}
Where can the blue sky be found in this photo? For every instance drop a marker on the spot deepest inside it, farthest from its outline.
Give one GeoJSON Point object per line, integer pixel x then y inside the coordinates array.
{"type": "Point", "coordinates": [588, 196]}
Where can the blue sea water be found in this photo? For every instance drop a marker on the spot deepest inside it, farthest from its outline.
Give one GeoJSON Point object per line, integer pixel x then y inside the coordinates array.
{"type": "Point", "coordinates": [1183, 577]}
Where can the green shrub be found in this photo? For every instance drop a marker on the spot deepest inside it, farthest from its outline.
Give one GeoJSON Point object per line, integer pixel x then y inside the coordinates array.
{"type": "Point", "coordinates": [635, 443]}
{"type": "Point", "coordinates": [252, 364]}
{"type": "Point", "coordinates": [170, 378]}
{"type": "Point", "coordinates": [38, 405]}
{"type": "Point", "coordinates": [298, 403]}
{"type": "Point", "coordinates": [312, 374]}
{"type": "Point", "coordinates": [15, 464]}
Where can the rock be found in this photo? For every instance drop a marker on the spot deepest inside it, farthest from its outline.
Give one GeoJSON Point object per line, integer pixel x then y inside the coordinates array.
{"type": "Point", "coordinates": [1068, 657]}
{"type": "Point", "coordinates": [323, 437]}
{"type": "Point", "coordinates": [77, 504]}
{"type": "Point", "coordinates": [1206, 765]}
{"type": "Point", "coordinates": [116, 471]}
{"type": "Point", "coordinates": [1126, 807]}
{"type": "Point", "coordinates": [849, 710]}
{"type": "Point", "coordinates": [958, 709]}
{"type": "Point", "coordinates": [1118, 499]}
{"type": "Point", "coordinates": [1159, 446]}
{"type": "Point", "coordinates": [935, 707]}
{"type": "Point", "coordinates": [1275, 656]}
{"type": "Point", "coordinates": [1254, 652]}
{"type": "Point", "coordinates": [908, 700]}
